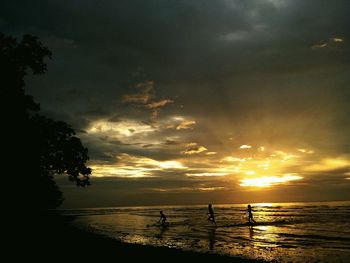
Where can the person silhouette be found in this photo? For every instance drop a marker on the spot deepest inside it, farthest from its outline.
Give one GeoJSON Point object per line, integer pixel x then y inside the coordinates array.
{"type": "Point", "coordinates": [162, 219]}
{"type": "Point", "coordinates": [250, 214]}
{"type": "Point", "coordinates": [211, 214]}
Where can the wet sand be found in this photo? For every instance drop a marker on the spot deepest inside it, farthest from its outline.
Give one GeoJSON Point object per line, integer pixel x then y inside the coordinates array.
{"type": "Point", "coordinates": [54, 238]}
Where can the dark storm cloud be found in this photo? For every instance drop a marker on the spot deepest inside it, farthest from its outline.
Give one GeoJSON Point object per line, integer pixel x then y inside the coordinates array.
{"type": "Point", "coordinates": [193, 42]}
{"type": "Point", "coordinates": [223, 73]}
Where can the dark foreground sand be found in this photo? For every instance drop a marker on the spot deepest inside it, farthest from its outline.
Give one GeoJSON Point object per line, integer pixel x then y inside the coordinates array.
{"type": "Point", "coordinates": [52, 239]}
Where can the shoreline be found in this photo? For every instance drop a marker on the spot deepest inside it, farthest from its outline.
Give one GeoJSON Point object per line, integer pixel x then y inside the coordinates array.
{"type": "Point", "coordinates": [58, 237]}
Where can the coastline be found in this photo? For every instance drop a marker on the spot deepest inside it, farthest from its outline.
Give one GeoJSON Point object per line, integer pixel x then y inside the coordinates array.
{"type": "Point", "coordinates": [56, 236]}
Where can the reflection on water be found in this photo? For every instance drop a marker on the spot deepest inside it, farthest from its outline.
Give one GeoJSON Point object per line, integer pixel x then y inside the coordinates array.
{"type": "Point", "coordinates": [162, 230]}
{"type": "Point", "coordinates": [264, 236]}
{"type": "Point", "coordinates": [251, 233]}
{"type": "Point", "coordinates": [285, 232]}
{"type": "Point", "coordinates": [211, 238]}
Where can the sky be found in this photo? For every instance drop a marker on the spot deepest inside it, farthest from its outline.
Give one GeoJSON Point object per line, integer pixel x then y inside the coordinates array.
{"type": "Point", "coordinates": [191, 102]}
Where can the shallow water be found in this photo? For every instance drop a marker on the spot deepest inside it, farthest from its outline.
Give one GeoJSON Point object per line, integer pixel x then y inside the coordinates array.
{"type": "Point", "coordinates": [286, 232]}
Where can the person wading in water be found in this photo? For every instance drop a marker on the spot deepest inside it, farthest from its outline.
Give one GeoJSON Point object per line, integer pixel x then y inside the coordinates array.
{"type": "Point", "coordinates": [211, 214]}
{"type": "Point", "coordinates": [250, 214]}
{"type": "Point", "coordinates": [162, 219]}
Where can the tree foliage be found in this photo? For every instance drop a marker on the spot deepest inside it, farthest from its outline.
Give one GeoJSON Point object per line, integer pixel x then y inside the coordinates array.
{"type": "Point", "coordinates": [42, 147]}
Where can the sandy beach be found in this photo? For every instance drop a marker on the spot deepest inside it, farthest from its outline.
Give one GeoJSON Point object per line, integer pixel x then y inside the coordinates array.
{"type": "Point", "coordinates": [56, 239]}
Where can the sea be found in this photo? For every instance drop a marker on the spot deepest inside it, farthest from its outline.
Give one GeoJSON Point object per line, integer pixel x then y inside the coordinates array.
{"type": "Point", "coordinates": [284, 232]}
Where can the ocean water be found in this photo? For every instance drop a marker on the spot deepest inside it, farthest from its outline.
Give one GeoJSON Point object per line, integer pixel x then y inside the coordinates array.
{"type": "Point", "coordinates": [285, 232]}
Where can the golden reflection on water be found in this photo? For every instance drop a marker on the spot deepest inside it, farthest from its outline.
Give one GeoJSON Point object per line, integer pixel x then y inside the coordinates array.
{"type": "Point", "coordinates": [263, 236]}
{"type": "Point", "coordinates": [288, 232]}
{"type": "Point", "coordinates": [263, 204]}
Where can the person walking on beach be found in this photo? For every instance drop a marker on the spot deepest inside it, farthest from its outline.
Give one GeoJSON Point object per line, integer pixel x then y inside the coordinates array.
{"type": "Point", "coordinates": [162, 219]}
{"type": "Point", "coordinates": [250, 214]}
{"type": "Point", "coordinates": [211, 214]}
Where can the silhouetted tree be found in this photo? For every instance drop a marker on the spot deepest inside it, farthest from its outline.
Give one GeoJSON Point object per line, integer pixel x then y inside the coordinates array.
{"type": "Point", "coordinates": [41, 147]}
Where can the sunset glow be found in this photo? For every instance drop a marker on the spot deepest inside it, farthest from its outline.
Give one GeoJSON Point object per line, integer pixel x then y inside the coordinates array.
{"type": "Point", "coordinates": [171, 99]}
{"type": "Point", "coordinates": [184, 130]}
{"type": "Point", "coordinates": [268, 180]}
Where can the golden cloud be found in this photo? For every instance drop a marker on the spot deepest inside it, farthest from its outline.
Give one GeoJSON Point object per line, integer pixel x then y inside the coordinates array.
{"type": "Point", "coordinates": [185, 125]}
{"type": "Point", "coordinates": [245, 146]}
{"type": "Point", "coordinates": [187, 189]}
{"type": "Point", "coordinates": [319, 45]}
{"type": "Point", "coordinates": [261, 149]}
{"type": "Point", "coordinates": [329, 164]}
{"type": "Point", "coordinates": [266, 181]}
{"type": "Point", "coordinates": [232, 159]}
{"type": "Point", "coordinates": [123, 128]}
{"type": "Point", "coordinates": [305, 151]}
{"type": "Point", "coordinates": [146, 98]}
{"type": "Point", "coordinates": [158, 104]}
{"type": "Point", "coordinates": [179, 123]}
{"type": "Point", "coordinates": [193, 148]}
{"type": "Point", "coordinates": [330, 42]}
{"type": "Point", "coordinates": [207, 174]}
{"type": "Point", "coordinates": [337, 39]}
{"type": "Point", "coordinates": [136, 98]}
{"type": "Point", "coordinates": [132, 166]}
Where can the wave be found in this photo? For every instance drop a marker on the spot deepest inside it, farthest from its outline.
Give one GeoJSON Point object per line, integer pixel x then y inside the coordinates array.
{"type": "Point", "coordinates": [311, 236]}
{"type": "Point", "coordinates": [272, 223]}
